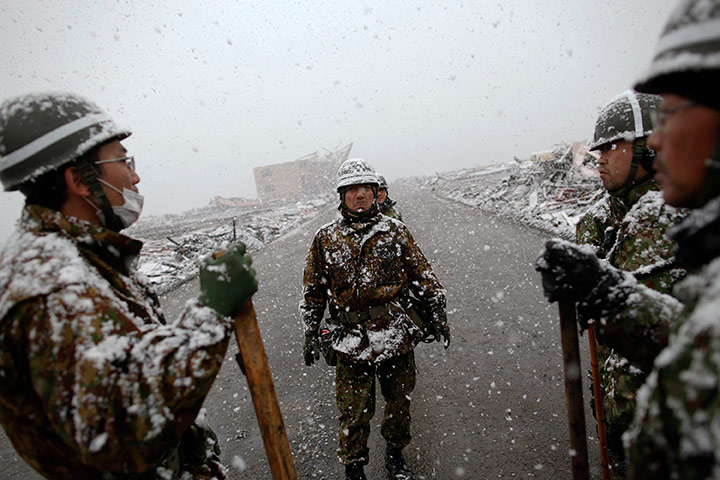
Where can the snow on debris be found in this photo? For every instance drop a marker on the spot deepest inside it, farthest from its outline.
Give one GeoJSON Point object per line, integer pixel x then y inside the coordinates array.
{"type": "Point", "coordinates": [174, 245]}
{"type": "Point", "coordinates": [551, 190]}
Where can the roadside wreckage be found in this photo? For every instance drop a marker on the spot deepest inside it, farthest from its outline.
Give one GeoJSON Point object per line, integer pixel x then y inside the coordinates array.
{"type": "Point", "coordinates": [174, 244]}
{"type": "Point", "coordinates": [551, 190]}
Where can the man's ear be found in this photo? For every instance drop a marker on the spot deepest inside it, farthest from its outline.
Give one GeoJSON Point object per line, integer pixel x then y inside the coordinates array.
{"type": "Point", "coordinates": [75, 183]}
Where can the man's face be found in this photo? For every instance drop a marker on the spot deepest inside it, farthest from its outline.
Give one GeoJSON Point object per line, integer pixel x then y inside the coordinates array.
{"type": "Point", "coordinates": [683, 141]}
{"type": "Point", "coordinates": [359, 198]}
{"type": "Point", "coordinates": [382, 195]}
{"type": "Point", "coordinates": [118, 174]}
{"type": "Point", "coordinates": [614, 164]}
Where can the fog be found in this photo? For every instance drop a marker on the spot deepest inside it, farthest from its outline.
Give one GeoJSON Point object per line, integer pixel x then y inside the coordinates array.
{"type": "Point", "coordinates": [212, 89]}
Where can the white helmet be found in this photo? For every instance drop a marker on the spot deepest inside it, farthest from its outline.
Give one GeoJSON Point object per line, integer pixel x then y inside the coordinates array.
{"type": "Point", "coordinates": [355, 171]}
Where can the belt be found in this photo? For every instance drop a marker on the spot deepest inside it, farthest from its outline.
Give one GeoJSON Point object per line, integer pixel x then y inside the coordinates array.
{"type": "Point", "coordinates": [360, 316]}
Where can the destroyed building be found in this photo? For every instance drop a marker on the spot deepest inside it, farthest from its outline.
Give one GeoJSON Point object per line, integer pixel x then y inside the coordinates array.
{"type": "Point", "coordinates": [306, 177]}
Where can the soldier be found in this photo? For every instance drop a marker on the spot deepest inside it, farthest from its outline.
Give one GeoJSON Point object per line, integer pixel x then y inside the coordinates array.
{"type": "Point", "coordinates": [386, 204]}
{"type": "Point", "coordinates": [627, 228]}
{"type": "Point", "coordinates": [93, 382]}
{"type": "Point", "coordinates": [675, 429]}
{"type": "Point", "coordinates": [362, 266]}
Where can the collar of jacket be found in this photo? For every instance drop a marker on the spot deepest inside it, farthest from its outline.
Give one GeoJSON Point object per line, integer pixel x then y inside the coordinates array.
{"type": "Point", "coordinates": [349, 227]}
{"type": "Point", "coordinates": [698, 235]}
{"type": "Point", "coordinates": [620, 205]}
{"type": "Point", "coordinates": [112, 248]}
{"type": "Point", "coordinates": [389, 203]}
{"type": "Point", "coordinates": [354, 217]}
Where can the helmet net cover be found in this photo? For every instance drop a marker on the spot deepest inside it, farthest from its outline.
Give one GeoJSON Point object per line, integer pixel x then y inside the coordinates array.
{"type": "Point", "coordinates": [689, 47]}
{"type": "Point", "coordinates": [355, 171]}
{"type": "Point", "coordinates": [41, 132]}
{"type": "Point", "coordinates": [626, 117]}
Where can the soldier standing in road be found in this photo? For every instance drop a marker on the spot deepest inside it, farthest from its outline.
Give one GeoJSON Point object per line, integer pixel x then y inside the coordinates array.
{"type": "Point", "coordinates": [362, 266]}
{"type": "Point", "coordinates": [627, 228]}
{"type": "Point", "coordinates": [386, 204]}
{"type": "Point", "coordinates": [93, 382]}
{"type": "Point", "coordinates": [674, 434]}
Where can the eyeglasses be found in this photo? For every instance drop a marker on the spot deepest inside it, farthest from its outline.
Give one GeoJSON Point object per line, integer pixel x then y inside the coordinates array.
{"type": "Point", "coordinates": [129, 161]}
{"type": "Point", "coordinates": [660, 116]}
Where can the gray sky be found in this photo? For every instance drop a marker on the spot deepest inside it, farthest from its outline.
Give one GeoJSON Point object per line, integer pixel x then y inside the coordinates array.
{"type": "Point", "coordinates": [214, 88]}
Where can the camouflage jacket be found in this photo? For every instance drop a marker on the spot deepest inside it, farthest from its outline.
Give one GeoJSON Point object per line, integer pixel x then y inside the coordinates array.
{"type": "Point", "coordinates": [388, 208]}
{"type": "Point", "coordinates": [354, 266]}
{"type": "Point", "coordinates": [630, 232]}
{"type": "Point", "coordinates": [93, 382]}
{"type": "Point", "coordinates": [675, 430]}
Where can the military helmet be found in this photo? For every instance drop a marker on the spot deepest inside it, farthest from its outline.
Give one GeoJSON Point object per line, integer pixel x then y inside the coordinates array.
{"type": "Point", "coordinates": [687, 57]}
{"type": "Point", "coordinates": [355, 171]}
{"type": "Point", "coordinates": [382, 183]}
{"type": "Point", "coordinates": [626, 116]}
{"type": "Point", "coordinates": [42, 132]}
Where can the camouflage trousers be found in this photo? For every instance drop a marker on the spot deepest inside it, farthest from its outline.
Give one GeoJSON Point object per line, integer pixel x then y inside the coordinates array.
{"type": "Point", "coordinates": [355, 399]}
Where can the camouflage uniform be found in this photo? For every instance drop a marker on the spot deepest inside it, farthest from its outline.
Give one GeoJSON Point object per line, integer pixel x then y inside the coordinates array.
{"type": "Point", "coordinates": [93, 382]}
{"type": "Point", "coordinates": [354, 269]}
{"type": "Point", "coordinates": [676, 425]}
{"type": "Point", "coordinates": [629, 232]}
{"type": "Point", "coordinates": [388, 208]}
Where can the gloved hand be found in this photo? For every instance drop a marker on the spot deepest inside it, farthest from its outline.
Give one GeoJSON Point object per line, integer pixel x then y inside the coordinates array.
{"type": "Point", "coordinates": [573, 272]}
{"type": "Point", "coordinates": [311, 349]}
{"type": "Point", "coordinates": [228, 282]}
{"type": "Point", "coordinates": [569, 271]}
{"type": "Point", "coordinates": [441, 331]}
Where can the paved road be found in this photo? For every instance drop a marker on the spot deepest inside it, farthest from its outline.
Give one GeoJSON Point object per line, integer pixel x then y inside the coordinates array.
{"type": "Point", "coordinates": [491, 406]}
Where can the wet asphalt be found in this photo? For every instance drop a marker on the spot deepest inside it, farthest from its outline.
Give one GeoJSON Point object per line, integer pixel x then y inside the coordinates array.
{"type": "Point", "coordinates": [491, 406]}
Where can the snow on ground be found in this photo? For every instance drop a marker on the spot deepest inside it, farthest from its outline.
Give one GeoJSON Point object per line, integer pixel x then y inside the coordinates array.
{"type": "Point", "coordinates": [551, 190]}
{"type": "Point", "coordinates": [174, 245]}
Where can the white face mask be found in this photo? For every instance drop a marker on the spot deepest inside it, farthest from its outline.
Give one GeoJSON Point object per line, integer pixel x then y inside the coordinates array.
{"type": "Point", "coordinates": [129, 211]}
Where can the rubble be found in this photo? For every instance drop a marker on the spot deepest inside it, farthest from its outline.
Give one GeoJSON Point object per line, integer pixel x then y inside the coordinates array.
{"type": "Point", "coordinates": [174, 245]}
{"type": "Point", "coordinates": [551, 190]}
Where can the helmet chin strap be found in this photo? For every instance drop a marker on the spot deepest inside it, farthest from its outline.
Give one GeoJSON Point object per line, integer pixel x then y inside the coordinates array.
{"type": "Point", "coordinates": [630, 181]}
{"type": "Point", "coordinates": [88, 174]}
{"type": "Point", "coordinates": [353, 215]}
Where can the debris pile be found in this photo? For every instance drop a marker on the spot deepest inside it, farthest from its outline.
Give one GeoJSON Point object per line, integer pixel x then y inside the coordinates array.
{"type": "Point", "coordinates": [174, 245]}
{"type": "Point", "coordinates": [551, 190]}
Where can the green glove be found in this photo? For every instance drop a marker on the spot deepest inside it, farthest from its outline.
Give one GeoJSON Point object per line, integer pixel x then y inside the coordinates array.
{"type": "Point", "coordinates": [228, 282]}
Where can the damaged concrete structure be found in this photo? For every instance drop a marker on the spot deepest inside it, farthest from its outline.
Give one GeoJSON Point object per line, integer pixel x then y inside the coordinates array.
{"type": "Point", "coordinates": [305, 177]}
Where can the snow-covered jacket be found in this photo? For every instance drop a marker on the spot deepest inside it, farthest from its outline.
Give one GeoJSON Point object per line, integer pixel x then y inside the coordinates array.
{"type": "Point", "coordinates": [676, 430]}
{"type": "Point", "coordinates": [93, 382]}
{"type": "Point", "coordinates": [630, 232]}
{"type": "Point", "coordinates": [352, 267]}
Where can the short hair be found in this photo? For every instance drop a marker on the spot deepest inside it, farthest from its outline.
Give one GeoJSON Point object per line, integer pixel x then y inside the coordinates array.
{"type": "Point", "coordinates": [49, 190]}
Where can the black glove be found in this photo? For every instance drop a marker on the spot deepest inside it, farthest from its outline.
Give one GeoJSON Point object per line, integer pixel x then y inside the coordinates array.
{"type": "Point", "coordinates": [441, 331]}
{"type": "Point", "coordinates": [568, 270]}
{"type": "Point", "coordinates": [573, 272]}
{"type": "Point", "coordinates": [311, 349]}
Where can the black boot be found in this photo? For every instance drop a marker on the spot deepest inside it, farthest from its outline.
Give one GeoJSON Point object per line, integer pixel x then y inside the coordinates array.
{"type": "Point", "coordinates": [396, 465]}
{"type": "Point", "coordinates": [354, 471]}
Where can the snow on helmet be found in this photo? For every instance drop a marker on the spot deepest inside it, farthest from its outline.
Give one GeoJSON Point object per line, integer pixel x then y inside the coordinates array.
{"type": "Point", "coordinates": [625, 117]}
{"type": "Point", "coordinates": [42, 132]}
{"type": "Point", "coordinates": [687, 56]}
{"type": "Point", "coordinates": [355, 171]}
{"type": "Point", "coordinates": [382, 183]}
